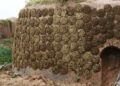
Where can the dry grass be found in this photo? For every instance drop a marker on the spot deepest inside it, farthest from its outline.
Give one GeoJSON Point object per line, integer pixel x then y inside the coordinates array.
{"type": "Point", "coordinates": [42, 1]}
{"type": "Point", "coordinates": [50, 1]}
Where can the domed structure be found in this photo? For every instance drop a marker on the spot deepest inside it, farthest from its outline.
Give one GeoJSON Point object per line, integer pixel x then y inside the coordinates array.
{"type": "Point", "coordinates": [63, 42]}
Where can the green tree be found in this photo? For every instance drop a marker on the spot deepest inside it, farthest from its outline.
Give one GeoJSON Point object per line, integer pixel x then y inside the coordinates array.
{"type": "Point", "coordinates": [5, 54]}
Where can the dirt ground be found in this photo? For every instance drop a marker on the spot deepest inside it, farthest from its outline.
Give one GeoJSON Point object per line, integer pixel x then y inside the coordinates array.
{"type": "Point", "coordinates": [6, 80]}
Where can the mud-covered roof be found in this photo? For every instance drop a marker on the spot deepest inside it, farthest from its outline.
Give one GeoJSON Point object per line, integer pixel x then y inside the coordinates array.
{"type": "Point", "coordinates": [92, 3]}
{"type": "Point", "coordinates": [101, 3]}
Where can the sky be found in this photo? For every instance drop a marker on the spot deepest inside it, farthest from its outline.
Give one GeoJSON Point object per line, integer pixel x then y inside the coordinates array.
{"type": "Point", "coordinates": [10, 8]}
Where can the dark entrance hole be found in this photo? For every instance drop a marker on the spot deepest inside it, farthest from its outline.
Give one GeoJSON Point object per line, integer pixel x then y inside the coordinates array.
{"type": "Point", "coordinates": [110, 65]}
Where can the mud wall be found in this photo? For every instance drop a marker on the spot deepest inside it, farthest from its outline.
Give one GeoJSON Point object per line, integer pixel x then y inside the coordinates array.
{"type": "Point", "coordinates": [64, 39]}
{"type": "Point", "coordinates": [6, 30]}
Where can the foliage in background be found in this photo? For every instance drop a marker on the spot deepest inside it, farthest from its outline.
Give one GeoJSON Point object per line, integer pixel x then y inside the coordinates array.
{"type": "Point", "coordinates": [5, 54]}
{"type": "Point", "coordinates": [4, 22]}
{"type": "Point", "coordinates": [41, 1]}
{"type": "Point", "coordinates": [81, 0]}
{"type": "Point", "coordinates": [77, 79]}
{"type": "Point", "coordinates": [50, 1]}
{"type": "Point", "coordinates": [10, 23]}
{"type": "Point", "coordinates": [7, 42]}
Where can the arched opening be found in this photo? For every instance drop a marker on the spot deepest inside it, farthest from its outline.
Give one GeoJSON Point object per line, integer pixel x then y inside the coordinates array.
{"type": "Point", "coordinates": [110, 65]}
